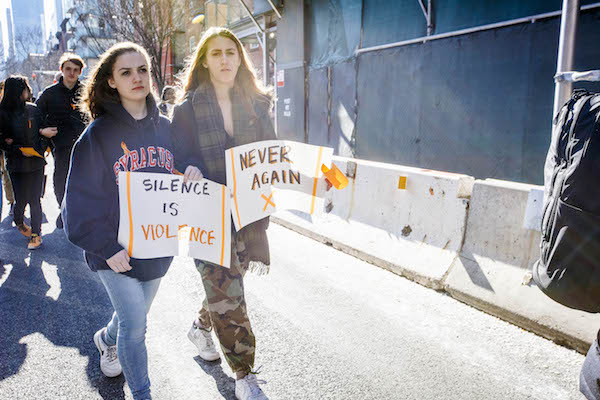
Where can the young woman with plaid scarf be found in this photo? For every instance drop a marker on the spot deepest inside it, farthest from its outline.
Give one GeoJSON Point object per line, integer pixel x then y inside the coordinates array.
{"type": "Point", "coordinates": [224, 106]}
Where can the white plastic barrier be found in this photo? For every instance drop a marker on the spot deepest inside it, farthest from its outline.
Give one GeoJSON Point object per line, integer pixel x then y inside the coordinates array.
{"type": "Point", "coordinates": [414, 231]}
{"type": "Point", "coordinates": [499, 249]}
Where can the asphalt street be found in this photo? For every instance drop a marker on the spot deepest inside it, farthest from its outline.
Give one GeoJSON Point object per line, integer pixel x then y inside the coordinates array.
{"type": "Point", "coordinates": [328, 326]}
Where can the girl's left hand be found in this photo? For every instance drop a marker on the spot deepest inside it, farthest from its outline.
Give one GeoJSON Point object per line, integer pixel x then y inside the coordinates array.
{"type": "Point", "coordinates": [192, 174]}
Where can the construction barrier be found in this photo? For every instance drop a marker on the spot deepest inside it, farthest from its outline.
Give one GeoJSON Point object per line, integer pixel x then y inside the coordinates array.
{"type": "Point", "coordinates": [408, 220]}
{"type": "Point", "coordinates": [476, 240]}
{"type": "Point", "coordinates": [492, 273]}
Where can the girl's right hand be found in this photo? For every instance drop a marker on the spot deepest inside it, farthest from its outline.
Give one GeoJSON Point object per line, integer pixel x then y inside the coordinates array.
{"type": "Point", "coordinates": [192, 174]}
{"type": "Point", "coordinates": [119, 262]}
{"type": "Point", "coordinates": [49, 132]}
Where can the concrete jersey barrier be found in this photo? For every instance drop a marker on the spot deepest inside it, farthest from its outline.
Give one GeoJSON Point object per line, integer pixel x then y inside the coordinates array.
{"type": "Point", "coordinates": [475, 239]}
{"type": "Point", "coordinates": [415, 232]}
{"type": "Point", "coordinates": [492, 272]}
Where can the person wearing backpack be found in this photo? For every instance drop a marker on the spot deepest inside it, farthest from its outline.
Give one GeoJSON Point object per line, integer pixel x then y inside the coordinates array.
{"type": "Point", "coordinates": [568, 270]}
{"type": "Point", "coordinates": [19, 125]}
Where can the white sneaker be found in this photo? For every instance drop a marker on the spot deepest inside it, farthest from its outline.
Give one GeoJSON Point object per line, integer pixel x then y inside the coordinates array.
{"type": "Point", "coordinates": [247, 388]}
{"type": "Point", "coordinates": [203, 341]}
{"type": "Point", "coordinates": [109, 361]}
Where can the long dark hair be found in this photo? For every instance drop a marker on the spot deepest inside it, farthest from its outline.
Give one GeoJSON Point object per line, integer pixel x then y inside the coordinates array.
{"type": "Point", "coordinates": [13, 90]}
{"type": "Point", "coordinates": [195, 74]}
{"type": "Point", "coordinates": [97, 91]}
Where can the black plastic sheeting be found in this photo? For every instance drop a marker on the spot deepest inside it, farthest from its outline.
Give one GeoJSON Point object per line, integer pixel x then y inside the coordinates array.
{"type": "Point", "coordinates": [479, 104]}
{"type": "Point", "coordinates": [387, 21]}
{"type": "Point", "coordinates": [335, 25]}
{"type": "Point", "coordinates": [290, 106]}
{"type": "Point", "coordinates": [318, 100]}
{"type": "Point", "coordinates": [452, 15]}
{"type": "Point", "coordinates": [334, 32]}
{"type": "Point", "coordinates": [333, 128]}
{"type": "Point", "coordinates": [343, 108]}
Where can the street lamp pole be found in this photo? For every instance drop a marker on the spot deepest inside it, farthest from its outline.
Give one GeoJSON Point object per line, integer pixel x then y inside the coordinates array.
{"type": "Point", "coordinates": [566, 51]}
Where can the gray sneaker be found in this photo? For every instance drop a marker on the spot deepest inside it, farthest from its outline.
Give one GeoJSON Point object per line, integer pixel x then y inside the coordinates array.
{"type": "Point", "coordinates": [109, 361]}
{"type": "Point", "coordinates": [247, 388]}
{"type": "Point", "coordinates": [203, 341]}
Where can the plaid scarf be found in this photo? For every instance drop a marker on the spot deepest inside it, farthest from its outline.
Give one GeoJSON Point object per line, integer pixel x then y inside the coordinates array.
{"type": "Point", "coordinates": [251, 123]}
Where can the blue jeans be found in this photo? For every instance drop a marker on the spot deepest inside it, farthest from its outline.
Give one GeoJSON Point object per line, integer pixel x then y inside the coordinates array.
{"type": "Point", "coordinates": [131, 300]}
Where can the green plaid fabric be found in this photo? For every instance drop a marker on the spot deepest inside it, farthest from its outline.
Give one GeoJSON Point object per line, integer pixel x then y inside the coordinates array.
{"type": "Point", "coordinates": [251, 123]}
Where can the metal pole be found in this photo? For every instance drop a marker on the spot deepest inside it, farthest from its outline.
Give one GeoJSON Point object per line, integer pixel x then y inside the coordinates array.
{"type": "Point", "coordinates": [274, 8]}
{"type": "Point", "coordinates": [566, 51]}
{"type": "Point", "coordinates": [251, 16]}
{"type": "Point", "coordinates": [265, 58]}
{"type": "Point", "coordinates": [429, 18]}
{"type": "Point", "coordinates": [427, 14]}
{"type": "Point", "coordinates": [531, 19]}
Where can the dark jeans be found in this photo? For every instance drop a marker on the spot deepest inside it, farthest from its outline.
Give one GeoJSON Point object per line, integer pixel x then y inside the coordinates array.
{"type": "Point", "coordinates": [28, 190]}
{"type": "Point", "coordinates": [62, 158]}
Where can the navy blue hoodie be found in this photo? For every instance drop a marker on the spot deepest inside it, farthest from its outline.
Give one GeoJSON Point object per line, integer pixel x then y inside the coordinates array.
{"type": "Point", "coordinates": [91, 206]}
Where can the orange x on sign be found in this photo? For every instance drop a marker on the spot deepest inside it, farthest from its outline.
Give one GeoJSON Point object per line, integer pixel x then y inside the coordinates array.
{"type": "Point", "coordinates": [268, 201]}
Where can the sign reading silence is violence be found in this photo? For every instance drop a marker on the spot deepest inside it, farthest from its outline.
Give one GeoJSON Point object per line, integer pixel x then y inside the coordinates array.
{"type": "Point", "coordinates": [161, 216]}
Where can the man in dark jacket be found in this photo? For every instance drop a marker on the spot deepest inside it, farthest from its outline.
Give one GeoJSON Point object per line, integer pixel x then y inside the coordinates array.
{"type": "Point", "coordinates": [62, 121]}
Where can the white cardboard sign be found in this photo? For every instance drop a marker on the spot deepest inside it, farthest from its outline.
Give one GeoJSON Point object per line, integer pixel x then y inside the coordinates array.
{"type": "Point", "coordinates": [161, 216]}
{"type": "Point", "coordinates": [275, 175]}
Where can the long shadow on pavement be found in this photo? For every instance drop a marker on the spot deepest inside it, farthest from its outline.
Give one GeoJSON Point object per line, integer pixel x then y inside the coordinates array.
{"type": "Point", "coordinates": [52, 292]}
{"type": "Point", "coordinates": [225, 384]}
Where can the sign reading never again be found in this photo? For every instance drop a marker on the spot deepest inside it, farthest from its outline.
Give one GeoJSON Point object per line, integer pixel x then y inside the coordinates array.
{"type": "Point", "coordinates": [275, 175]}
{"type": "Point", "coordinates": [162, 216]}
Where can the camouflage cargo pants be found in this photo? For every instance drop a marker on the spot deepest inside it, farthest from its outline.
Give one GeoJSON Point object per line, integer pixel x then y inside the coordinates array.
{"type": "Point", "coordinates": [224, 310]}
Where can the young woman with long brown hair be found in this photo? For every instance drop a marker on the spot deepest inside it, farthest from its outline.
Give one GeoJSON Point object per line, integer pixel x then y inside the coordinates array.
{"type": "Point", "coordinates": [19, 125]}
{"type": "Point", "coordinates": [118, 99]}
{"type": "Point", "coordinates": [224, 106]}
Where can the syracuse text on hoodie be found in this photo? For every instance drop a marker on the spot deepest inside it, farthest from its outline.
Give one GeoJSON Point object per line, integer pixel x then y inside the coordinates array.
{"type": "Point", "coordinates": [114, 142]}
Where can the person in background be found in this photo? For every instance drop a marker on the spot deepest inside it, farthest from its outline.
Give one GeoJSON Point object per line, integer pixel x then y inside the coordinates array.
{"type": "Point", "coordinates": [62, 120]}
{"type": "Point", "coordinates": [6, 184]}
{"type": "Point", "coordinates": [19, 129]}
{"type": "Point", "coordinates": [224, 106]}
{"type": "Point", "coordinates": [168, 98]}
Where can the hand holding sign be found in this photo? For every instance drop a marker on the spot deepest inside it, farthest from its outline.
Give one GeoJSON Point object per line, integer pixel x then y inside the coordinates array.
{"type": "Point", "coordinates": [192, 174]}
{"type": "Point", "coordinates": [119, 262]}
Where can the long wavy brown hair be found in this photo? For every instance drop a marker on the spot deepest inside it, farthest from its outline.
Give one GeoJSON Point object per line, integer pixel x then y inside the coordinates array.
{"type": "Point", "coordinates": [195, 74]}
{"type": "Point", "coordinates": [97, 92]}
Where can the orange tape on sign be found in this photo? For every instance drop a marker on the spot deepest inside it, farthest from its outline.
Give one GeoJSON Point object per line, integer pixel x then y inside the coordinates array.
{"type": "Point", "coordinates": [237, 211]}
{"type": "Point", "coordinates": [130, 248]}
{"type": "Point", "coordinates": [222, 225]}
{"type": "Point", "coordinates": [336, 177]}
{"type": "Point", "coordinates": [312, 203]}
